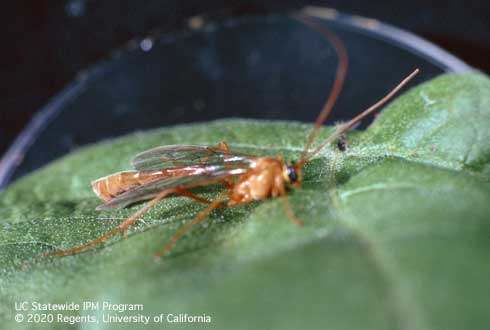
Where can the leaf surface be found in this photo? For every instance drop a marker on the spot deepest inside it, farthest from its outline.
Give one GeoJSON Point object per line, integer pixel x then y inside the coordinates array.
{"type": "Point", "coordinates": [397, 228]}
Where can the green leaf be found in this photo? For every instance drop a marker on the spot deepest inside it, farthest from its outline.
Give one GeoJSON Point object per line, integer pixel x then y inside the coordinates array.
{"type": "Point", "coordinates": [397, 228]}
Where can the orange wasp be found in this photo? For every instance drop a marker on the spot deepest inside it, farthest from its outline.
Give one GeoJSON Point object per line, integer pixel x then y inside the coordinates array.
{"type": "Point", "coordinates": [176, 169]}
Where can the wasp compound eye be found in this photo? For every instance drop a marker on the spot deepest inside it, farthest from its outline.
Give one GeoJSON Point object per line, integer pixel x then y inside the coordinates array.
{"type": "Point", "coordinates": [292, 175]}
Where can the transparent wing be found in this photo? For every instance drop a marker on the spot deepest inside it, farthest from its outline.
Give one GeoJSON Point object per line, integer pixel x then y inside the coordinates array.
{"type": "Point", "coordinates": [203, 175]}
{"type": "Point", "coordinates": [186, 155]}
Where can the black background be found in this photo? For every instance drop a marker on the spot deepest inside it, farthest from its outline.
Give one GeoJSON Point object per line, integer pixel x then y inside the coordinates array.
{"type": "Point", "coordinates": [47, 42]}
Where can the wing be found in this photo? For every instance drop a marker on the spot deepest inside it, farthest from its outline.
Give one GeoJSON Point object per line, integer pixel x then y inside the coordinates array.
{"type": "Point", "coordinates": [204, 175]}
{"type": "Point", "coordinates": [186, 155]}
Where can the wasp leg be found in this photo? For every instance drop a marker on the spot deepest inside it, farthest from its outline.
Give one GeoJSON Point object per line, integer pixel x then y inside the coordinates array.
{"type": "Point", "coordinates": [289, 211]}
{"type": "Point", "coordinates": [222, 145]}
{"type": "Point", "coordinates": [227, 183]}
{"type": "Point", "coordinates": [119, 229]}
{"type": "Point", "coordinates": [186, 193]}
{"type": "Point", "coordinates": [201, 216]}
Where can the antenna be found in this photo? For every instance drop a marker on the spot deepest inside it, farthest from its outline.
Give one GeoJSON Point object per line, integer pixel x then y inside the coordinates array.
{"type": "Point", "coordinates": [344, 127]}
{"type": "Point", "coordinates": [339, 77]}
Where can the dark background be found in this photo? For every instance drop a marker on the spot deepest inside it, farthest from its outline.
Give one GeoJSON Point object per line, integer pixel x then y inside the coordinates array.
{"type": "Point", "coordinates": [47, 42]}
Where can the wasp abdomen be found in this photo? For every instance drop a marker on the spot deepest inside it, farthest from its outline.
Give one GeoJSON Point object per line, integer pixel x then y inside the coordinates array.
{"type": "Point", "coordinates": [115, 184]}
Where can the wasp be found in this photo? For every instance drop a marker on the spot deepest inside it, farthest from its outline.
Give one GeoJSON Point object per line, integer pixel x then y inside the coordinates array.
{"type": "Point", "coordinates": [177, 169]}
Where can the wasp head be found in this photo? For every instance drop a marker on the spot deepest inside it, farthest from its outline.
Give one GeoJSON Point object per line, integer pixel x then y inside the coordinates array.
{"type": "Point", "coordinates": [292, 174]}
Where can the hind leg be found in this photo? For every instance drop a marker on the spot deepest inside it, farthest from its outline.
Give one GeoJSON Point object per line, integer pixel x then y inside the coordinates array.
{"type": "Point", "coordinates": [119, 229]}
